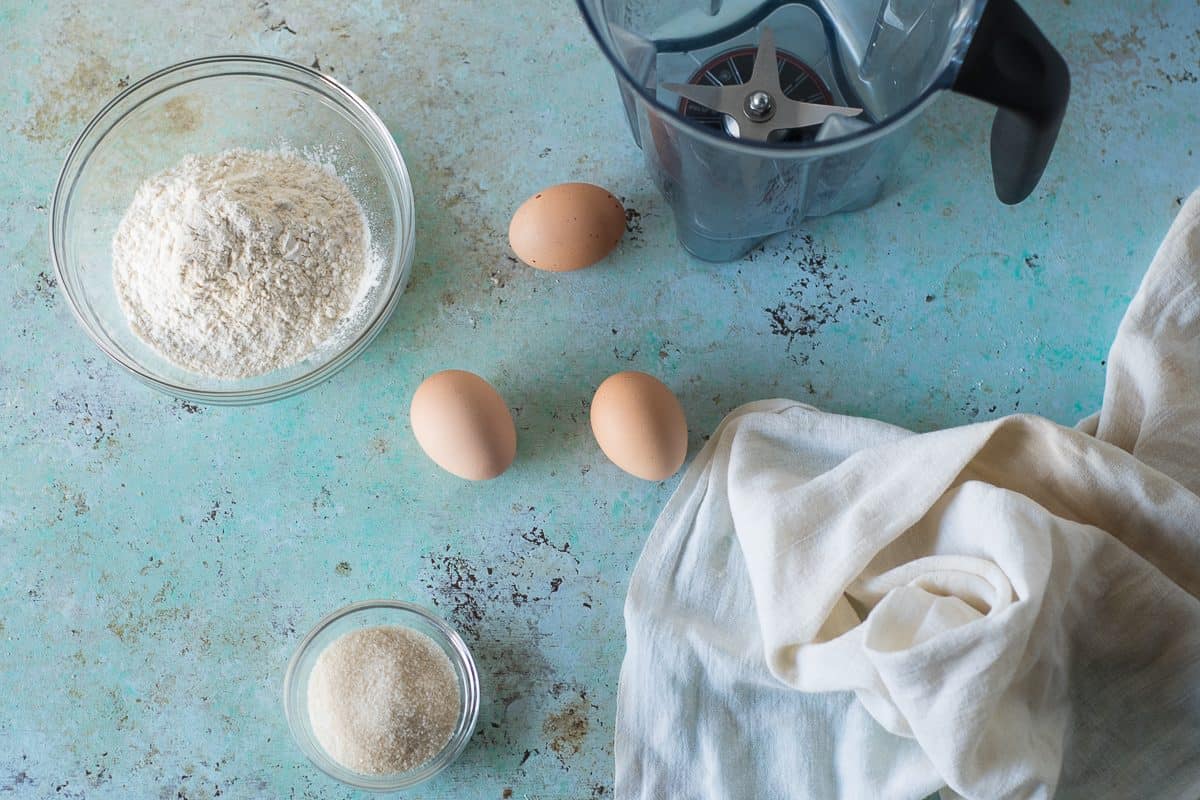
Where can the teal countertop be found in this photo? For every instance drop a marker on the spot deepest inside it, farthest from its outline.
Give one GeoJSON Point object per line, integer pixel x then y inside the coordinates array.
{"type": "Point", "coordinates": [161, 560]}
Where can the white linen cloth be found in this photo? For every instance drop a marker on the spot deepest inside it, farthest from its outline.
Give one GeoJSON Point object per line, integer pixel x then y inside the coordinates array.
{"type": "Point", "coordinates": [833, 607]}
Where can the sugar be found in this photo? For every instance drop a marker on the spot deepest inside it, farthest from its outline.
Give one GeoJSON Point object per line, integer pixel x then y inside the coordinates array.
{"type": "Point", "coordinates": [383, 700]}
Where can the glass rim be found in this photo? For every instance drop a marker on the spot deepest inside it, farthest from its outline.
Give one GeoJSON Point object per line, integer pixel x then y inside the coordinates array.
{"type": "Point", "coordinates": [391, 163]}
{"type": "Point", "coordinates": [469, 695]}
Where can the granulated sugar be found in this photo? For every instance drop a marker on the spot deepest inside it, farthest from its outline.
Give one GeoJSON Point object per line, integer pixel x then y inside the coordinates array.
{"type": "Point", "coordinates": [383, 700]}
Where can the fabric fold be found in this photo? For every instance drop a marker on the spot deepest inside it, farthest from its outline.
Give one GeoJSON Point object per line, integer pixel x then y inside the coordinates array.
{"type": "Point", "coordinates": [833, 607]}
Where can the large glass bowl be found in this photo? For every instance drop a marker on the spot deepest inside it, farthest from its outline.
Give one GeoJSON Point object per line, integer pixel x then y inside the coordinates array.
{"type": "Point", "coordinates": [206, 106]}
{"type": "Point", "coordinates": [369, 614]}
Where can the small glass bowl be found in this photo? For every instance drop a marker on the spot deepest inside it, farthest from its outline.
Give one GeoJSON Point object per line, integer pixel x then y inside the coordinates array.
{"type": "Point", "coordinates": [205, 106]}
{"type": "Point", "coordinates": [369, 614]}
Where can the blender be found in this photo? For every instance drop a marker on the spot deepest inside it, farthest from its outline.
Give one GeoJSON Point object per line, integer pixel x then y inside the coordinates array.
{"type": "Point", "coordinates": [754, 116]}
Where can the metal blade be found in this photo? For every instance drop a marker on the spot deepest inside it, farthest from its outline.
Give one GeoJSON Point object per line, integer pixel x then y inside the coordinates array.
{"type": "Point", "coordinates": [753, 131]}
{"type": "Point", "coordinates": [765, 74]}
{"type": "Point", "coordinates": [708, 96]}
{"type": "Point", "coordinates": [796, 114]}
{"type": "Point", "coordinates": [731, 100]}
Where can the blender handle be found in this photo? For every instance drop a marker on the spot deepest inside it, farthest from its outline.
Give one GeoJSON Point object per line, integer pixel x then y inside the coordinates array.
{"type": "Point", "coordinates": [1011, 65]}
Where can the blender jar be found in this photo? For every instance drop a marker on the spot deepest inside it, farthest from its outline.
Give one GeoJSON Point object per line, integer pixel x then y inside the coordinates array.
{"type": "Point", "coordinates": [879, 64]}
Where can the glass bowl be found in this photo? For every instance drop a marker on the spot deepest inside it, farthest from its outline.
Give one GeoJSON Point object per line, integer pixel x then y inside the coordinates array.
{"type": "Point", "coordinates": [369, 614]}
{"type": "Point", "coordinates": [206, 106]}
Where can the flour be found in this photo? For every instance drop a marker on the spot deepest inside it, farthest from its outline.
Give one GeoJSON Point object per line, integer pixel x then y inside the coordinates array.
{"type": "Point", "coordinates": [238, 264]}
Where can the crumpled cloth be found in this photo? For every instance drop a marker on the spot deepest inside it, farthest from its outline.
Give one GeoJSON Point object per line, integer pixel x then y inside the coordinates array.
{"type": "Point", "coordinates": [834, 607]}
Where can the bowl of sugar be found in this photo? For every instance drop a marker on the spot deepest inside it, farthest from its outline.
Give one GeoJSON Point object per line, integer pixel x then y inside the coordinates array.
{"type": "Point", "coordinates": [233, 229]}
{"type": "Point", "coordinates": [381, 695]}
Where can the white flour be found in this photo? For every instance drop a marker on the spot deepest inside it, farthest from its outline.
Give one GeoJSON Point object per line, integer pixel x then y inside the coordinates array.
{"type": "Point", "coordinates": [241, 263]}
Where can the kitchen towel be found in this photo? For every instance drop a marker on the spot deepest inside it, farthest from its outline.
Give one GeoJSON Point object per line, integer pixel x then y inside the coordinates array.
{"type": "Point", "coordinates": [833, 607]}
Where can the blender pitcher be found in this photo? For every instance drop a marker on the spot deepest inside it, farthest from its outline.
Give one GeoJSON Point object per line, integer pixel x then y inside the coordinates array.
{"type": "Point", "coordinates": [753, 116]}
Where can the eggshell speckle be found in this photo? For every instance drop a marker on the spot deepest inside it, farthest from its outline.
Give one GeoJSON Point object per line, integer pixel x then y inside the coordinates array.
{"type": "Point", "coordinates": [640, 426]}
{"type": "Point", "coordinates": [462, 423]}
{"type": "Point", "coordinates": [567, 227]}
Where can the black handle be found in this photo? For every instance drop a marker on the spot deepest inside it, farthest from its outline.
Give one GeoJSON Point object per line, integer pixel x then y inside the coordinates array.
{"type": "Point", "coordinates": [1011, 65]}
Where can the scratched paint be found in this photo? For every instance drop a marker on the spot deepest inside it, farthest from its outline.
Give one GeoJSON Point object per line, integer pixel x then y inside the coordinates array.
{"type": "Point", "coordinates": [162, 559]}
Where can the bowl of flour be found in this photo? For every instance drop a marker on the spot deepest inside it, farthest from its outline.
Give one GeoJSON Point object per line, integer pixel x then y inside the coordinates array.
{"type": "Point", "coordinates": [233, 229]}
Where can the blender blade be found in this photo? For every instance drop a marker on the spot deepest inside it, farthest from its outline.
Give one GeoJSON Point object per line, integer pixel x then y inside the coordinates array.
{"type": "Point", "coordinates": [759, 108]}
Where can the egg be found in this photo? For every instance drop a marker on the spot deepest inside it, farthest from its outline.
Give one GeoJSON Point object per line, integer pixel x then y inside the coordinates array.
{"type": "Point", "coordinates": [462, 423]}
{"type": "Point", "coordinates": [567, 227]}
{"type": "Point", "coordinates": [640, 425]}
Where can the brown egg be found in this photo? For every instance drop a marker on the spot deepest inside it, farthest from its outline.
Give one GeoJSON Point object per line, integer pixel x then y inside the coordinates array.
{"type": "Point", "coordinates": [639, 425]}
{"type": "Point", "coordinates": [567, 227]}
{"type": "Point", "coordinates": [462, 423]}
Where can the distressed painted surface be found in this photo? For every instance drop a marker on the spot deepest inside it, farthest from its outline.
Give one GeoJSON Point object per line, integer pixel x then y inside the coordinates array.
{"type": "Point", "coordinates": [161, 560]}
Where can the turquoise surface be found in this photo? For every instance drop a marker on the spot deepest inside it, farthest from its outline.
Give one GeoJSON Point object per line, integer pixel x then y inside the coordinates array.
{"type": "Point", "coordinates": [161, 560]}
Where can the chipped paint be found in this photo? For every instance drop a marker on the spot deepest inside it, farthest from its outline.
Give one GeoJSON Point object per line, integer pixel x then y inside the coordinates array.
{"type": "Point", "coordinates": [821, 295]}
{"type": "Point", "coordinates": [65, 105]}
